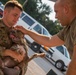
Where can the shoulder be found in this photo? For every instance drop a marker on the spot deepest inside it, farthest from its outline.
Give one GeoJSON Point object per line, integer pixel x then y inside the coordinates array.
{"type": "Point", "coordinates": [1, 23]}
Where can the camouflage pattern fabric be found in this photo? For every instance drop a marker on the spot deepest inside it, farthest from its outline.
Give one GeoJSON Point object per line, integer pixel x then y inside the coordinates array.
{"type": "Point", "coordinates": [9, 38]}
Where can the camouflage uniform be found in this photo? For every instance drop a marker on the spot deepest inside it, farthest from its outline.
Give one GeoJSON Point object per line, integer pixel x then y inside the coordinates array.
{"type": "Point", "coordinates": [6, 42]}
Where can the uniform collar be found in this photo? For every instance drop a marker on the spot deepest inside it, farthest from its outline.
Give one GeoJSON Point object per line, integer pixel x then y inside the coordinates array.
{"type": "Point", "coordinates": [3, 24]}
{"type": "Point", "coordinates": [74, 20]}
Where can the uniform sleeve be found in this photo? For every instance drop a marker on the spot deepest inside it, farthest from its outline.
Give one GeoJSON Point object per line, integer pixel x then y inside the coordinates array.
{"type": "Point", "coordinates": [61, 34]}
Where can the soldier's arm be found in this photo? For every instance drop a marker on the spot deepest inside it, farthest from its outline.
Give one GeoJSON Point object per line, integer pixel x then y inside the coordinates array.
{"type": "Point", "coordinates": [18, 57]}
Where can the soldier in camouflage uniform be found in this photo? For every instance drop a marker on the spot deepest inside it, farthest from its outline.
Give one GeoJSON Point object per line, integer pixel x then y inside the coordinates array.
{"type": "Point", "coordinates": [13, 49]}
{"type": "Point", "coordinates": [12, 10]}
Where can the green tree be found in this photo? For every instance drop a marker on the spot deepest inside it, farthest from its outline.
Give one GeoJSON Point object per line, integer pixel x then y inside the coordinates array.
{"type": "Point", "coordinates": [4, 1]}
{"type": "Point", "coordinates": [37, 9]}
{"type": "Point", "coordinates": [40, 12]}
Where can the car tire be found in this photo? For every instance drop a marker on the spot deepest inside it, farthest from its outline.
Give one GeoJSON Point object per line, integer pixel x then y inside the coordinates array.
{"type": "Point", "coordinates": [35, 47]}
{"type": "Point", "coordinates": [59, 65]}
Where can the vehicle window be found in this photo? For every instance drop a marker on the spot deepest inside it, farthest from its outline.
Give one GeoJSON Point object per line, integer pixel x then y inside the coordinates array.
{"type": "Point", "coordinates": [1, 13]}
{"type": "Point", "coordinates": [67, 54]}
{"type": "Point", "coordinates": [61, 49]}
{"type": "Point", "coordinates": [1, 5]}
{"type": "Point", "coordinates": [22, 15]}
{"type": "Point", "coordinates": [38, 28]}
{"type": "Point", "coordinates": [28, 20]}
{"type": "Point", "coordinates": [45, 32]}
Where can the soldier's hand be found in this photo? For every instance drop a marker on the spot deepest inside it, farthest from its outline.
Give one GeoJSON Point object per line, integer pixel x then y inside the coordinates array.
{"type": "Point", "coordinates": [22, 29]}
{"type": "Point", "coordinates": [18, 57]}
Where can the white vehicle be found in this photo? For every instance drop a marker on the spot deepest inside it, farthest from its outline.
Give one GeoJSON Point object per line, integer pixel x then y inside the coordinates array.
{"type": "Point", "coordinates": [59, 55]}
{"type": "Point", "coordinates": [30, 23]}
